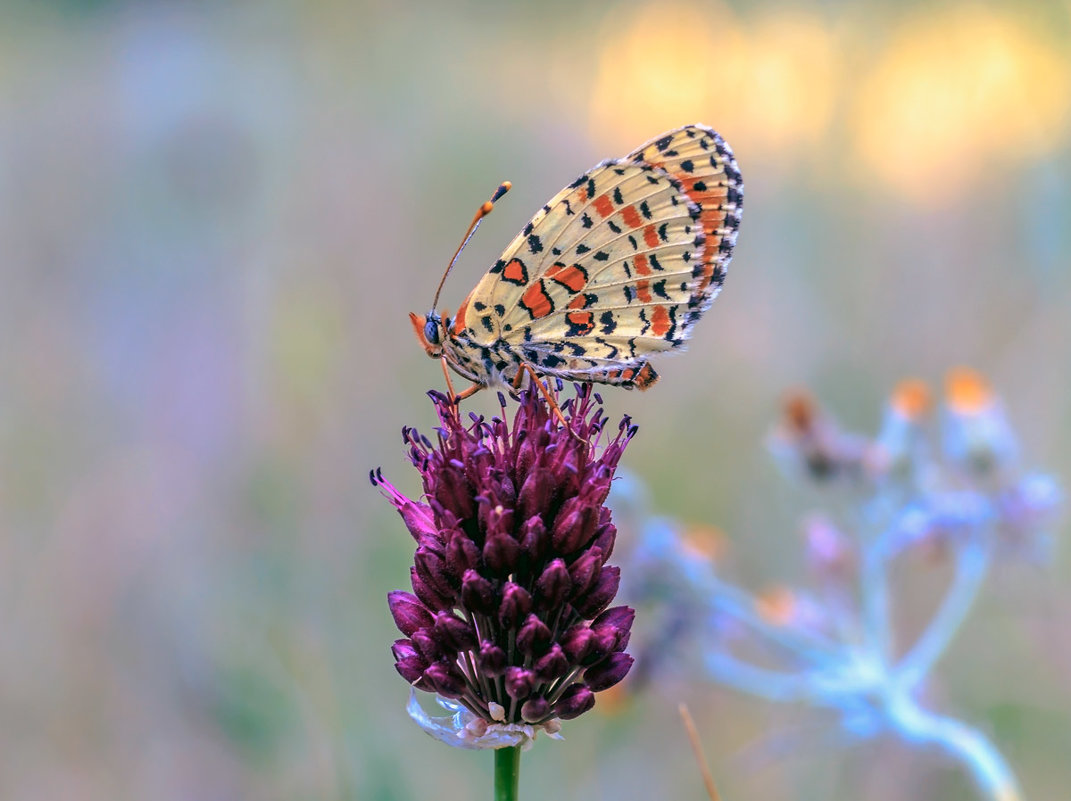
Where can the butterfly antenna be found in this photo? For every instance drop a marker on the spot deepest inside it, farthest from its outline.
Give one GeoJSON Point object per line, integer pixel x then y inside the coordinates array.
{"type": "Point", "coordinates": [483, 211]}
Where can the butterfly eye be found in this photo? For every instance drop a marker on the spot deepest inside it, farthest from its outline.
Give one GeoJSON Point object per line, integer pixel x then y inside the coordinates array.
{"type": "Point", "coordinates": [431, 332]}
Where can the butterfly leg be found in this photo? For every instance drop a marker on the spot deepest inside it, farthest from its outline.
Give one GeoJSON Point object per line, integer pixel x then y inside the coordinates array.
{"type": "Point", "coordinates": [536, 381]}
{"type": "Point", "coordinates": [454, 397]}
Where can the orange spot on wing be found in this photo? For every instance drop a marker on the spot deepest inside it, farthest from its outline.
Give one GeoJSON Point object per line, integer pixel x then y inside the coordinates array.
{"type": "Point", "coordinates": [582, 194]}
{"type": "Point", "coordinates": [710, 217]}
{"type": "Point", "coordinates": [650, 236]}
{"type": "Point", "coordinates": [642, 267]}
{"type": "Point", "coordinates": [536, 300]}
{"type": "Point", "coordinates": [604, 206]}
{"type": "Point", "coordinates": [572, 278]}
{"type": "Point", "coordinates": [631, 217]}
{"type": "Point", "coordinates": [579, 302]}
{"type": "Point", "coordinates": [643, 291]}
{"type": "Point", "coordinates": [516, 272]}
{"type": "Point", "coordinates": [660, 323]}
{"type": "Point", "coordinates": [584, 322]}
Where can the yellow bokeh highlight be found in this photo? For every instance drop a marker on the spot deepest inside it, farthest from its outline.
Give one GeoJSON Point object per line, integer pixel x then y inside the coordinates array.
{"type": "Point", "coordinates": [771, 81]}
{"type": "Point", "coordinates": [951, 94]}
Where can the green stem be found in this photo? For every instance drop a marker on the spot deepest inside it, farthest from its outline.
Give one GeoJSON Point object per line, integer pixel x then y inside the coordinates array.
{"type": "Point", "coordinates": [507, 771]}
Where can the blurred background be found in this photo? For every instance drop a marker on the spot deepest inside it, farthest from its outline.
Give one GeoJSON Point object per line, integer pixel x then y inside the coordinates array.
{"type": "Point", "coordinates": [214, 218]}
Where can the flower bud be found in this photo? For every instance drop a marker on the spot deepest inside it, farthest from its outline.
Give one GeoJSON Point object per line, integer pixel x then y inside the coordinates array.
{"type": "Point", "coordinates": [574, 525]}
{"type": "Point", "coordinates": [519, 682]}
{"type": "Point", "coordinates": [552, 665]}
{"type": "Point", "coordinates": [477, 593]}
{"type": "Point", "coordinates": [583, 571]}
{"type": "Point", "coordinates": [427, 646]}
{"type": "Point", "coordinates": [534, 636]}
{"type": "Point", "coordinates": [552, 587]}
{"type": "Point", "coordinates": [461, 554]}
{"type": "Point", "coordinates": [534, 709]}
{"type": "Point", "coordinates": [446, 679]}
{"type": "Point", "coordinates": [452, 490]}
{"type": "Point", "coordinates": [534, 538]}
{"type": "Point", "coordinates": [491, 660]}
{"type": "Point", "coordinates": [408, 612]}
{"type": "Point", "coordinates": [600, 595]}
{"type": "Point", "coordinates": [515, 606]}
{"type": "Point", "coordinates": [577, 642]}
{"type": "Point", "coordinates": [501, 553]}
{"type": "Point", "coordinates": [608, 672]}
{"type": "Point", "coordinates": [409, 664]}
{"type": "Point", "coordinates": [427, 593]}
{"type": "Point", "coordinates": [432, 570]}
{"type": "Point", "coordinates": [577, 700]}
{"type": "Point", "coordinates": [534, 498]}
{"type": "Point", "coordinates": [454, 633]}
{"type": "Point", "coordinates": [617, 622]}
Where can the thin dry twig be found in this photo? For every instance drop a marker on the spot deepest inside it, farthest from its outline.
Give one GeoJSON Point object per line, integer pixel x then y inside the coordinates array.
{"type": "Point", "coordinates": [697, 748]}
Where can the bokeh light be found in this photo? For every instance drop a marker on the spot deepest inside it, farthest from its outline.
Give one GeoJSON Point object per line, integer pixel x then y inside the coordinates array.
{"type": "Point", "coordinates": [957, 98]}
{"type": "Point", "coordinates": [771, 80]}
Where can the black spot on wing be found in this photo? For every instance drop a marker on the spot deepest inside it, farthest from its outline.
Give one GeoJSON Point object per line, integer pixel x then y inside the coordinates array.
{"type": "Point", "coordinates": [535, 245]}
{"type": "Point", "coordinates": [612, 350]}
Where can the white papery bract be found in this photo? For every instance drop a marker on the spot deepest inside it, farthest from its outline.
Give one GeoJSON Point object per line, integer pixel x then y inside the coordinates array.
{"type": "Point", "coordinates": [462, 729]}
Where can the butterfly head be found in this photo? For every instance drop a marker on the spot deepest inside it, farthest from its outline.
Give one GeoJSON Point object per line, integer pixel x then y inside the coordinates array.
{"type": "Point", "coordinates": [430, 331]}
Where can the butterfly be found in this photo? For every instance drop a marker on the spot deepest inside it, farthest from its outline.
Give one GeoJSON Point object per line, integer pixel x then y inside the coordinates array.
{"type": "Point", "coordinates": [615, 268]}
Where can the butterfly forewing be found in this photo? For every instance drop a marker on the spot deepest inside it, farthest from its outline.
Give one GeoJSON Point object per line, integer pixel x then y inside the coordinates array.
{"type": "Point", "coordinates": [616, 267]}
{"type": "Point", "coordinates": [702, 161]}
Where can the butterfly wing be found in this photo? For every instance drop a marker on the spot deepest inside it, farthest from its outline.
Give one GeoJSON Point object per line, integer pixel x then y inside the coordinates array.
{"type": "Point", "coordinates": [617, 266]}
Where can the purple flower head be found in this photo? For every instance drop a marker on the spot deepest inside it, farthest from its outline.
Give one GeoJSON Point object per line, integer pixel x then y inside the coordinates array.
{"type": "Point", "coordinates": [510, 615]}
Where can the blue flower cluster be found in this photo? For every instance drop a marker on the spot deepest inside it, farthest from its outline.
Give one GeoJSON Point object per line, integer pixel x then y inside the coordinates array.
{"type": "Point", "coordinates": [950, 485]}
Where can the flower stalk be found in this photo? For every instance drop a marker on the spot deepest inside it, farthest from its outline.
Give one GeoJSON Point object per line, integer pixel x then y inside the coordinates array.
{"type": "Point", "coordinates": [507, 773]}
